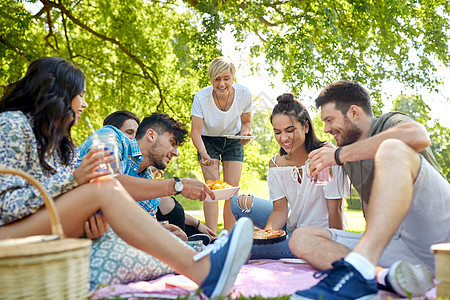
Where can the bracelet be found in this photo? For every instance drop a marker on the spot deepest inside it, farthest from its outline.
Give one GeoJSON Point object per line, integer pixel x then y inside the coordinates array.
{"type": "Point", "coordinates": [336, 156]}
{"type": "Point", "coordinates": [198, 224]}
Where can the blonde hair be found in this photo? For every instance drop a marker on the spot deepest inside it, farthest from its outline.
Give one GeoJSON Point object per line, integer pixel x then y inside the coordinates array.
{"type": "Point", "coordinates": [219, 66]}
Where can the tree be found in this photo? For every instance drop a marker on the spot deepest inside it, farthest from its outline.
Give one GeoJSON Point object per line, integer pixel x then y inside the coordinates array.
{"type": "Point", "coordinates": [416, 108]}
{"type": "Point", "coordinates": [317, 42]}
{"type": "Point", "coordinates": [136, 55]}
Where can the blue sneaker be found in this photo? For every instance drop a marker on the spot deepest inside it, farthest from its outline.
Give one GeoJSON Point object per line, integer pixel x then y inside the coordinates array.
{"type": "Point", "coordinates": [227, 254]}
{"type": "Point", "coordinates": [406, 279]}
{"type": "Point", "coordinates": [343, 281]}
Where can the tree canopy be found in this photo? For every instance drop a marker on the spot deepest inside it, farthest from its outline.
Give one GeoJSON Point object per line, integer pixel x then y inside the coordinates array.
{"type": "Point", "coordinates": [137, 55]}
{"type": "Point", "coordinates": [148, 56]}
{"type": "Point", "coordinates": [318, 42]}
{"type": "Point", "coordinates": [153, 55]}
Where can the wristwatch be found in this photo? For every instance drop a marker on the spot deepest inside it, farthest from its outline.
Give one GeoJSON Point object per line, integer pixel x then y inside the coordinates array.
{"type": "Point", "coordinates": [178, 185]}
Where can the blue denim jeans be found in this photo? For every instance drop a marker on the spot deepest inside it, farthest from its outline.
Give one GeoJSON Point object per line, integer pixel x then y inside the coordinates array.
{"type": "Point", "coordinates": [259, 214]}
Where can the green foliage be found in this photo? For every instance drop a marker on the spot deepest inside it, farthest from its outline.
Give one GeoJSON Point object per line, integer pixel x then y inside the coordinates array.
{"type": "Point", "coordinates": [263, 131]}
{"type": "Point", "coordinates": [260, 150]}
{"type": "Point", "coordinates": [131, 58]}
{"type": "Point", "coordinates": [413, 106]}
{"type": "Point", "coordinates": [317, 42]}
{"type": "Point", "coordinates": [416, 108]}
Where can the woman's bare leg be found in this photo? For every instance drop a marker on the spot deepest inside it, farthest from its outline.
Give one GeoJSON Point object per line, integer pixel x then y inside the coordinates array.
{"type": "Point", "coordinates": [125, 216]}
{"type": "Point", "coordinates": [211, 209]}
{"type": "Point", "coordinates": [232, 174]}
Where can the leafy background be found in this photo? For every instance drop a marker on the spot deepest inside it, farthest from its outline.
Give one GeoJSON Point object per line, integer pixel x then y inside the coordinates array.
{"type": "Point", "coordinates": [148, 56]}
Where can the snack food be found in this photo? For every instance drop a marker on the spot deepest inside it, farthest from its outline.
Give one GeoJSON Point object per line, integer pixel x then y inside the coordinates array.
{"type": "Point", "coordinates": [218, 184]}
{"type": "Point", "coordinates": [267, 233]}
{"type": "Point", "coordinates": [268, 236]}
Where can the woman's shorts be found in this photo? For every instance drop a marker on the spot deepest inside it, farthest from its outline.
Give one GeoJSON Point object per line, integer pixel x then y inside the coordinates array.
{"type": "Point", "coordinates": [223, 149]}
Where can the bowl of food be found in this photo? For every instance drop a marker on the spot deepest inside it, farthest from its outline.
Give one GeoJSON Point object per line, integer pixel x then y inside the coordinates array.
{"type": "Point", "coordinates": [268, 236]}
{"type": "Point", "coordinates": [221, 190]}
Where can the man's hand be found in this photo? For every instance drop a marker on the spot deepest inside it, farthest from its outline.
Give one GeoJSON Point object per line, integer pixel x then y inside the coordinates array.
{"type": "Point", "coordinates": [96, 226]}
{"type": "Point", "coordinates": [176, 230]}
{"type": "Point", "coordinates": [195, 189]}
{"type": "Point", "coordinates": [321, 158]}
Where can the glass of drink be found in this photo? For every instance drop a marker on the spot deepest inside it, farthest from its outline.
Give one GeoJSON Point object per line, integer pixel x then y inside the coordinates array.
{"type": "Point", "coordinates": [323, 178]}
{"type": "Point", "coordinates": [107, 141]}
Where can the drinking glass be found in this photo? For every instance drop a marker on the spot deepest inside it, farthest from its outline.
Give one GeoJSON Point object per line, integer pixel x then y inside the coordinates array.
{"type": "Point", "coordinates": [323, 178]}
{"type": "Point", "coordinates": [107, 141]}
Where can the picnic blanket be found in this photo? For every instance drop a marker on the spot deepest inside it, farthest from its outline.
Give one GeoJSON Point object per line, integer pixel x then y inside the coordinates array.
{"type": "Point", "coordinates": [265, 278]}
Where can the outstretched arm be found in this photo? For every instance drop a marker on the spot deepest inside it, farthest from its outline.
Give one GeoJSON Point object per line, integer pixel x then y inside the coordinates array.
{"type": "Point", "coordinates": [143, 189]}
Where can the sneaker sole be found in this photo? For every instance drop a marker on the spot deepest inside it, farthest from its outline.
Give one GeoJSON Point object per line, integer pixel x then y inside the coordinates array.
{"type": "Point", "coordinates": [236, 257]}
{"type": "Point", "coordinates": [410, 280]}
{"type": "Point", "coordinates": [368, 297]}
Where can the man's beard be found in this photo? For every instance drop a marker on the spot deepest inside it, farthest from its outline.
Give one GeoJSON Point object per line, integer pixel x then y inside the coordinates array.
{"type": "Point", "coordinates": [155, 156]}
{"type": "Point", "coordinates": [352, 133]}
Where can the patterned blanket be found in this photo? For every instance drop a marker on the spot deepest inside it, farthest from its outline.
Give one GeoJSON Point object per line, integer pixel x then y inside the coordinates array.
{"type": "Point", "coordinates": [265, 278]}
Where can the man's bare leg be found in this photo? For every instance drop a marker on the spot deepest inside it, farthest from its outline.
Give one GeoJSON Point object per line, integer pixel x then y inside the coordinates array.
{"type": "Point", "coordinates": [316, 247]}
{"type": "Point", "coordinates": [397, 166]}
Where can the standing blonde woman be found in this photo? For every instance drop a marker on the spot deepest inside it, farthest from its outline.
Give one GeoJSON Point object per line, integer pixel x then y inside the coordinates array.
{"type": "Point", "coordinates": [223, 108]}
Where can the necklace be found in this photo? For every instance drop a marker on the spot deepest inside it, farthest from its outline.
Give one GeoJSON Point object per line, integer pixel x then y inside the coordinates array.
{"type": "Point", "coordinates": [218, 101]}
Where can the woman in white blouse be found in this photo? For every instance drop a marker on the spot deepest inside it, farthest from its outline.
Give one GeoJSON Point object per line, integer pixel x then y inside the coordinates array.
{"type": "Point", "coordinates": [295, 200]}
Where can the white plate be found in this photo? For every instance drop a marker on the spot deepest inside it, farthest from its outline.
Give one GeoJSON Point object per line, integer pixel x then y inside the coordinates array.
{"type": "Point", "coordinates": [223, 194]}
{"type": "Point", "coordinates": [182, 282]}
{"type": "Point", "coordinates": [293, 260]}
{"type": "Point", "coordinates": [240, 137]}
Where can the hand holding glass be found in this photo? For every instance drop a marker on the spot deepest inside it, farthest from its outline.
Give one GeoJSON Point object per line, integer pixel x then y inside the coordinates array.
{"type": "Point", "coordinates": [107, 141]}
{"type": "Point", "coordinates": [323, 178]}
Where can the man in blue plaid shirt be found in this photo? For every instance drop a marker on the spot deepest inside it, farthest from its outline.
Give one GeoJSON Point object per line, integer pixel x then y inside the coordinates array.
{"type": "Point", "coordinates": [157, 139]}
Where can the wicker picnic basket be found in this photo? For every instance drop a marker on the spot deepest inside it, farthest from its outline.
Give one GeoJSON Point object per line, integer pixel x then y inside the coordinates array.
{"type": "Point", "coordinates": [44, 267]}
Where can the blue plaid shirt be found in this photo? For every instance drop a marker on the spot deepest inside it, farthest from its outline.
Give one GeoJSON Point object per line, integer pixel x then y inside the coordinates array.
{"type": "Point", "coordinates": [130, 157]}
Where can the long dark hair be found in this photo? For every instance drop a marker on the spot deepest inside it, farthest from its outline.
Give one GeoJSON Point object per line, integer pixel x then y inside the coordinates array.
{"type": "Point", "coordinates": [288, 105]}
{"type": "Point", "coordinates": [46, 92]}
{"type": "Point", "coordinates": [117, 118]}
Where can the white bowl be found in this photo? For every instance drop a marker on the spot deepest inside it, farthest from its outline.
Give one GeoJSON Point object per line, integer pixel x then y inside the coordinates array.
{"type": "Point", "coordinates": [223, 194]}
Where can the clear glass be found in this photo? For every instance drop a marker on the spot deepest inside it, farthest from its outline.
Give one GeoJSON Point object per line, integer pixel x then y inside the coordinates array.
{"type": "Point", "coordinates": [323, 178]}
{"type": "Point", "coordinates": [108, 141]}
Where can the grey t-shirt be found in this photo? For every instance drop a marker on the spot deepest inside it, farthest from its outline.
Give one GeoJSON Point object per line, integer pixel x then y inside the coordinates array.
{"type": "Point", "coordinates": [361, 172]}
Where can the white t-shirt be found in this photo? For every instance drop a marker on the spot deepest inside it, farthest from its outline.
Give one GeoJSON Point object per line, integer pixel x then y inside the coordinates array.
{"type": "Point", "coordinates": [308, 206]}
{"type": "Point", "coordinates": [215, 121]}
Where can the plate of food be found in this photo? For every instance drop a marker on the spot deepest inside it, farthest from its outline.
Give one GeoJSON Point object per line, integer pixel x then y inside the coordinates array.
{"type": "Point", "coordinates": [268, 236]}
{"type": "Point", "coordinates": [221, 190]}
{"type": "Point", "coordinates": [240, 137]}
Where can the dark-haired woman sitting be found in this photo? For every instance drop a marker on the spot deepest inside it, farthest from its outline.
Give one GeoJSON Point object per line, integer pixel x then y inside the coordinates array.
{"type": "Point", "coordinates": [294, 199]}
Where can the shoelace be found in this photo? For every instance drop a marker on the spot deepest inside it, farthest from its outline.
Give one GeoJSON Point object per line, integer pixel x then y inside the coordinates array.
{"type": "Point", "coordinates": [334, 277]}
{"type": "Point", "coordinates": [320, 274]}
{"type": "Point", "coordinates": [221, 240]}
